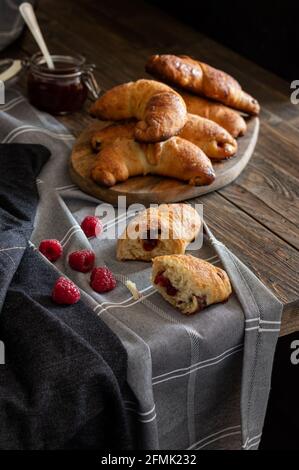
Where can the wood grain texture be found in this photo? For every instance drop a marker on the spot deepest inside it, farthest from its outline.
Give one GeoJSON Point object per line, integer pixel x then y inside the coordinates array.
{"type": "Point", "coordinates": [154, 189]}
{"type": "Point", "coordinates": [256, 216]}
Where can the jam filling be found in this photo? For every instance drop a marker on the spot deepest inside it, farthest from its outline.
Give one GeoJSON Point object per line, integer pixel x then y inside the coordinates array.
{"type": "Point", "coordinates": [150, 243]}
{"type": "Point", "coordinates": [201, 301]}
{"type": "Point", "coordinates": [163, 281]}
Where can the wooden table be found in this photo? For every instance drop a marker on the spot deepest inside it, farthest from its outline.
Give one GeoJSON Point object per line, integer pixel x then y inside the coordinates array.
{"type": "Point", "coordinates": [257, 216]}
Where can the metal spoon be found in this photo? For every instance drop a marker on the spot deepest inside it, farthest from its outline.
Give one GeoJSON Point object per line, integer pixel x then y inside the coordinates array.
{"type": "Point", "coordinates": [28, 14]}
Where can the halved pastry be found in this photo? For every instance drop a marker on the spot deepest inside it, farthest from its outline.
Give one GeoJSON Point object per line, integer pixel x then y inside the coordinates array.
{"type": "Point", "coordinates": [160, 111]}
{"type": "Point", "coordinates": [188, 283]}
{"type": "Point", "coordinates": [175, 158]}
{"type": "Point", "coordinates": [162, 230]}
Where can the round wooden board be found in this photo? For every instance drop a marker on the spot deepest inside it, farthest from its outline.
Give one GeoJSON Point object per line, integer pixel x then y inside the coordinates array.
{"type": "Point", "coordinates": [155, 189]}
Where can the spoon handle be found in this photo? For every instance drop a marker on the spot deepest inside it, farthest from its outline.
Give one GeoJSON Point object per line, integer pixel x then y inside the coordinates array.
{"type": "Point", "coordinates": [28, 14]}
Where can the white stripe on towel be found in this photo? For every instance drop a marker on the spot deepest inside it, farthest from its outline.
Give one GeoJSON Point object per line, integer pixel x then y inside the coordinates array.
{"type": "Point", "coordinates": [123, 301]}
{"type": "Point", "coordinates": [13, 248]}
{"type": "Point", "coordinates": [213, 435]}
{"type": "Point", "coordinates": [12, 103]}
{"type": "Point", "coordinates": [127, 306]}
{"type": "Point", "coordinates": [262, 330]}
{"type": "Point", "coordinates": [218, 438]}
{"type": "Point", "coordinates": [198, 363]}
{"type": "Point", "coordinates": [210, 364]}
{"type": "Point", "coordinates": [73, 227]}
{"type": "Point", "coordinates": [78, 229]}
{"type": "Point", "coordinates": [27, 128]}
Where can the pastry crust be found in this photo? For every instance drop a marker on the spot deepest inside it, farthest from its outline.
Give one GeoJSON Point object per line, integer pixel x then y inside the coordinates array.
{"type": "Point", "coordinates": [188, 283]}
{"type": "Point", "coordinates": [156, 231]}
{"type": "Point", "coordinates": [175, 158]}
{"type": "Point", "coordinates": [202, 79]}
{"type": "Point", "coordinates": [160, 111]}
{"type": "Point", "coordinates": [211, 138]}
{"type": "Point", "coordinates": [226, 117]}
{"type": "Point", "coordinates": [107, 135]}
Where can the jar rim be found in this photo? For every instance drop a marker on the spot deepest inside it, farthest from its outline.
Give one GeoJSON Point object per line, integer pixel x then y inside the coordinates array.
{"type": "Point", "coordinates": [76, 61]}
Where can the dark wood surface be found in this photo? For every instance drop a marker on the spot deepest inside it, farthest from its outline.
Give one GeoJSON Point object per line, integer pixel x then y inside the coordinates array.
{"type": "Point", "coordinates": [256, 216]}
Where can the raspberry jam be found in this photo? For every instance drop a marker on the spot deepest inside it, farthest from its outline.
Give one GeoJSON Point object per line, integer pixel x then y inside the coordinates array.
{"type": "Point", "coordinates": [163, 281]}
{"type": "Point", "coordinates": [150, 243]}
{"type": "Point", "coordinates": [62, 90]}
{"type": "Point", "coordinates": [201, 301]}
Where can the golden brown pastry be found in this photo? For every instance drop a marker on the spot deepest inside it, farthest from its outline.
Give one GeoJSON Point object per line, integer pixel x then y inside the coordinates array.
{"type": "Point", "coordinates": [163, 230]}
{"type": "Point", "coordinates": [188, 283]}
{"type": "Point", "coordinates": [161, 112]}
{"type": "Point", "coordinates": [202, 79]}
{"type": "Point", "coordinates": [175, 158]}
{"type": "Point", "coordinates": [107, 135]}
{"type": "Point", "coordinates": [211, 138]}
{"type": "Point", "coordinates": [226, 117]}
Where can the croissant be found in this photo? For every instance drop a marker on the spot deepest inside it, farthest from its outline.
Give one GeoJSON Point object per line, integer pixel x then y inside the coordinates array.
{"type": "Point", "coordinates": [107, 135]}
{"type": "Point", "coordinates": [226, 117]}
{"type": "Point", "coordinates": [166, 229]}
{"type": "Point", "coordinates": [202, 79]}
{"type": "Point", "coordinates": [212, 139]}
{"type": "Point", "coordinates": [188, 283]}
{"type": "Point", "coordinates": [175, 158]}
{"type": "Point", "coordinates": [160, 111]}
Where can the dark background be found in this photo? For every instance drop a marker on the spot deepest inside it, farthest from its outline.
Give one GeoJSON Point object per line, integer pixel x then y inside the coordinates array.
{"type": "Point", "coordinates": [264, 31]}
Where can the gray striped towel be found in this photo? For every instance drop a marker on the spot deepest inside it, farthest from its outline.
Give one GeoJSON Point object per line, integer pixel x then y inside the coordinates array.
{"type": "Point", "coordinates": [200, 382]}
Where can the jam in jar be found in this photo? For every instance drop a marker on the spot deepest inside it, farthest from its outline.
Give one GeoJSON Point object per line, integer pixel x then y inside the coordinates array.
{"type": "Point", "coordinates": [64, 89]}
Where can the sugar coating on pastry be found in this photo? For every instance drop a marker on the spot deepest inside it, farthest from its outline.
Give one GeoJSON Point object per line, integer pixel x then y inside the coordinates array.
{"type": "Point", "coordinates": [156, 231]}
{"type": "Point", "coordinates": [189, 283]}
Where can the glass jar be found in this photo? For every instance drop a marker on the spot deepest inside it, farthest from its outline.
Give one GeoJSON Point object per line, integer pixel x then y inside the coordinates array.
{"type": "Point", "coordinates": [64, 89]}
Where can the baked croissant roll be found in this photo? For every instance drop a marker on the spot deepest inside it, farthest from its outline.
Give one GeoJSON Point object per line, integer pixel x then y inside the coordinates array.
{"type": "Point", "coordinates": [175, 158]}
{"type": "Point", "coordinates": [202, 79]}
{"type": "Point", "coordinates": [226, 117]}
{"type": "Point", "coordinates": [211, 138]}
{"type": "Point", "coordinates": [188, 283]}
{"type": "Point", "coordinates": [160, 111]}
{"type": "Point", "coordinates": [107, 135]}
{"type": "Point", "coordinates": [163, 230]}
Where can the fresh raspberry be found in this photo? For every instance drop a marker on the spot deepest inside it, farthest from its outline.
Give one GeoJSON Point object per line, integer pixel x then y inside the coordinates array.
{"type": "Point", "coordinates": [82, 260]}
{"type": "Point", "coordinates": [102, 280]}
{"type": "Point", "coordinates": [92, 226]}
{"type": "Point", "coordinates": [65, 292]}
{"type": "Point", "coordinates": [51, 249]}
